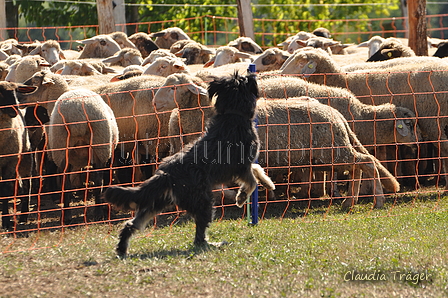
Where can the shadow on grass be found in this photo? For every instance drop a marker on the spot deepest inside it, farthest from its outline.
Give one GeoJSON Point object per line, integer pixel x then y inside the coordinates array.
{"type": "Point", "coordinates": [187, 253]}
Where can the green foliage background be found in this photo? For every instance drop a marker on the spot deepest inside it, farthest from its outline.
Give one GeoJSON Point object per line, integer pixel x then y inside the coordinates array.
{"type": "Point", "coordinates": [314, 13]}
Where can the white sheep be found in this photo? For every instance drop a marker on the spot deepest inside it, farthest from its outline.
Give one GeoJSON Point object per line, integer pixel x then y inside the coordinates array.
{"type": "Point", "coordinates": [195, 53]}
{"type": "Point", "coordinates": [419, 87]}
{"type": "Point", "coordinates": [270, 59]}
{"type": "Point", "coordinates": [122, 39]}
{"type": "Point", "coordinates": [164, 66]}
{"type": "Point", "coordinates": [246, 45]}
{"type": "Point", "coordinates": [50, 50]}
{"type": "Point", "coordinates": [125, 57]}
{"type": "Point", "coordinates": [81, 67]}
{"type": "Point", "coordinates": [100, 46]}
{"type": "Point", "coordinates": [156, 54]}
{"type": "Point", "coordinates": [166, 38]}
{"type": "Point", "coordinates": [227, 55]}
{"type": "Point", "coordinates": [82, 135]}
{"type": "Point", "coordinates": [14, 143]}
{"type": "Point", "coordinates": [24, 68]}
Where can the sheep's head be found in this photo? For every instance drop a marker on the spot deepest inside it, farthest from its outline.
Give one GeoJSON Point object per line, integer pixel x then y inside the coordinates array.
{"type": "Point", "coordinates": [165, 66]}
{"type": "Point", "coordinates": [100, 46]}
{"type": "Point", "coordinates": [227, 55]}
{"type": "Point", "coordinates": [166, 38]}
{"type": "Point", "coordinates": [271, 59]}
{"type": "Point", "coordinates": [303, 61]}
{"type": "Point", "coordinates": [181, 91]}
{"type": "Point", "coordinates": [122, 39]}
{"type": "Point", "coordinates": [50, 51]}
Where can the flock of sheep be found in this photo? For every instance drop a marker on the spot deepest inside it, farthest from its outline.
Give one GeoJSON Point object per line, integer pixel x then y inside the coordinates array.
{"type": "Point", "coordinates": [72, 121]}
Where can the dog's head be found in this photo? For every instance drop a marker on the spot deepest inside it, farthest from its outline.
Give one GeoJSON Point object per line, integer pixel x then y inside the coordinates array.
{"type": "Point", "coordinates": [235, 94]}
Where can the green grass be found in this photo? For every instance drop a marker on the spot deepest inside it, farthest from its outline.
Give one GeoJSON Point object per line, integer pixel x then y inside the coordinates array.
{"type": "Point", "coordinates": [297, 256]}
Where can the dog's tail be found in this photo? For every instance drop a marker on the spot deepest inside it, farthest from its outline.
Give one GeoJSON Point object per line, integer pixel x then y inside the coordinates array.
{"type": "Point", "coordinates": [123, 198]}
{"type": "Point", "coordinates": [260, 175]}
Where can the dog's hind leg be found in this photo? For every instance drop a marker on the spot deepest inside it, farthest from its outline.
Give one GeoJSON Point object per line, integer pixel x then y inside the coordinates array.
{"type": "Point", "coordinates": [202, 215]}
{"type": "Point", "coordinates": [264, 179]}
{"type": "Point", "coordinates": [140, 221]}
{"type": "Point", "coordinates": [247, 183]}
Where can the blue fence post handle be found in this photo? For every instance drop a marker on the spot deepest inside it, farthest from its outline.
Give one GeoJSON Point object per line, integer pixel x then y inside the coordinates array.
{"type": "Point", "coordinates": [254, 198]}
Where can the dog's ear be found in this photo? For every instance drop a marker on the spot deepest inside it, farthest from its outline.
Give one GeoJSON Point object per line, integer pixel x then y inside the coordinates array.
{"type": "Point", "coordinates": [252, 84]}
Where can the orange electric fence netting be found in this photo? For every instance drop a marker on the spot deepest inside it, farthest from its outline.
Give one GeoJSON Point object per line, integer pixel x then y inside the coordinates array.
{"type": "Point", "coordinates": [306, 179]}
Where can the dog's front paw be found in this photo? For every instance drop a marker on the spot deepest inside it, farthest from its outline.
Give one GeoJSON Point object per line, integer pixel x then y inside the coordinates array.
{"type": "Point", "coordinates": [241, 198]}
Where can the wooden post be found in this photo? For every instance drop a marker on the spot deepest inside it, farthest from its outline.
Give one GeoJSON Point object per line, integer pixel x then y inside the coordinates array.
{"type": "Point", "coordinates": [106, 20]}
{"type": "Point", "coordinates": [245, 18]}
{"type": "Point", "coordinates": [3, 33]}
{"type": "Point", "coordinates": [120, 15]}
{"type": "Point", "coordinates": [417, 27]}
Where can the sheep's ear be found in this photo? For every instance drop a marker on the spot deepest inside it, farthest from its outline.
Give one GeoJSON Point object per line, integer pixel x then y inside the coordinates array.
{"type": "Point", "coordinates": [179, 65]}
{"type": "Point", "coordinates": [25, 89]}
{"type": "Point", "coordinates": [112, 59]}
{"type": "Point", "coordinates": [198, 90]}
{"type": "Point", "coordinates": [109, 70]}
{"type": "Point", "coordinates": [309, 68]}
{"type": "Point", "coordinates": [300, 42]}
{"type": "Point", "coordinates": [180, 53]}
{"type": "Point", "coordinates": [402, 128]}
{"type": "Point", "coordinates": [209, 62]}
{"type": "Point", "coordinates": [37, 50]}
{"type": "Point", "coordinates": [61, 55]}
{"type": "Point", "coordinates": [242, 55]}
{"type": "Point", "coordinates": [88, 41]}
{"type": "Point", "coordinates": [364, 44]}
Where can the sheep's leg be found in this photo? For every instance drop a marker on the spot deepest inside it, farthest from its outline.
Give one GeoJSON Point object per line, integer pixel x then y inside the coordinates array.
{"type": "Point", "coordinates": [139, 222]}
{"type": "Point", "coordinates": [353, 187]}
{"type": "Point", "coordinates": [247, 184]}
{"type": "Point", "coordinates": [25, 201]}
{"type": "Point", "coordinates": [67, 197]}
{"type": "Point", "coordinates": [368, 167]}
{"type": "Point", "coordinates": [6, 190]}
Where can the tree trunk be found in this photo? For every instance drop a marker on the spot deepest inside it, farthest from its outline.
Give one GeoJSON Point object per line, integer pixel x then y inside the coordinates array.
{"type": "Point", "coordinates": [417, 27]}
{"type": "Point", "coordinates": [106, 20]}
{"type": "Point", "coordinates": [245, 18]}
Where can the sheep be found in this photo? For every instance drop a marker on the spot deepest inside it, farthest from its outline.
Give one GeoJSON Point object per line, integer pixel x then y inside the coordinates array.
{"type": "Point", "coordinates": [8, 47]}
{"type": "Point", "coordinates": [322, 32]}
{"type": "Point", "coordinates": [131, 102]}
{"type": "Point", "coordinates": [50, 50]}
{"type": "Point", "coordinates": [100, 46]}
{"type": "Point", "coordinates": [378, 65]}
{"type": "Point", "coordinates": [14, 143]}
{"type": "Point", "coordinates": [164, 66]}
{"type": "Point", "coordinates": [420, 88]}
{"type": "Point", "coordinates": [374, 43]}
{"type": "Point", "coordinates": [125, 57]}
{"type": "Point", "coordinates": [302, 35]}
{"type": "Point", "coordinates": [143, 43]}
{"type": "Point", "coordinates": [270, 59]}
{"type": "Point", "coordinates": [23, 69]}
{"type": "Point", "coordinates": [166, 38]}
{"type": "Point", "coordinates": [227, 55]}
{"type": "Point", "coordinates": [156, 54]}
{"type": "Point", "coordinates": [195, 53]}
{"type": "Point", "coordinates": [390, 49]}
{"type": "Point", "coordinates": [82, 135]}
{"type": "Point", "coordinates": [81, 67]}
{"type": "Point", "coordinates": [180, 44]}
{"type": "Point", "coordinates": [246, 45]}
{"type": "Point", "coordinates": [314, 42]}
{"type": "Point", "coordinates": [122, 39]}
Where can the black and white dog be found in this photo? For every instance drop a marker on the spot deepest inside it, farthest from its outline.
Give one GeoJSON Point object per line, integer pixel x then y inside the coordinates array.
{"type": "Point", "coordinates": [224, 154]}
